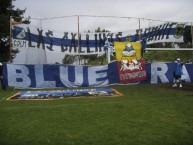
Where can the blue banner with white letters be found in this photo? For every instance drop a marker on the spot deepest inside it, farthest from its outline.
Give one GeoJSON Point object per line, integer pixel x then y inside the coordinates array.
{"type": "Point", "coordinates": [51, 76]}
{"type": "Point", "coordinates": [163, 73]}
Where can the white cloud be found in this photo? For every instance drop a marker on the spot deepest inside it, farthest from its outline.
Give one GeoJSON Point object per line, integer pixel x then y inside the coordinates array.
{"type": "Point", "coordinates": [167, 10]}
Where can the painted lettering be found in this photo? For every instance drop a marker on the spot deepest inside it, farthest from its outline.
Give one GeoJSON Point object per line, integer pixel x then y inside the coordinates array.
{"type": "Point", "coordinates": [39, 75]}
{"type": "Point", "coordinates": [71, 76]}
{"type": "Point", "coordinates": [97, 75]}
{"type": "Point", "coordinates": [18, 76]}
{"type": "Point", "coordinates": [159, 71]}
{"type": "Point", "coordinates": [19, 43]}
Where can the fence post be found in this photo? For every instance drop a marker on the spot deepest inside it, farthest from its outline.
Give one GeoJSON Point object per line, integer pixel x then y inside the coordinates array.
{"type": "Point", "coordinates": [78, 40]}
{"type": "Point", "coordinates": [192, 33]}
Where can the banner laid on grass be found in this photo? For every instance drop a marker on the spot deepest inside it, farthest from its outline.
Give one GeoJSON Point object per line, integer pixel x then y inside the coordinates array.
{"type": "Point", "coordinates": [60, 94]}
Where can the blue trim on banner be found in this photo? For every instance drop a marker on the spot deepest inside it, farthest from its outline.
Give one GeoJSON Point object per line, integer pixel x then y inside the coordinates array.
{"type": "Point", "coordinates": [164, 31]}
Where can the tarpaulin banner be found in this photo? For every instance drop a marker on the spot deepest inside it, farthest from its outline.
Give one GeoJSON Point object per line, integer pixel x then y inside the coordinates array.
{"type": "Point", "coordinates": [50, 76]}
{"type": "Point", "coordinates": [60, 94]}
{"type": "Point", "coordinates": [130, 65]}
{"type": "Point", "coordinates": [159, 72]}
{"type": "Point", "coordinates": [36, 45]}
{"type": "Point", "coordinates": [132, 73]}
{"type": "Point", "coordinates": [120, 46]}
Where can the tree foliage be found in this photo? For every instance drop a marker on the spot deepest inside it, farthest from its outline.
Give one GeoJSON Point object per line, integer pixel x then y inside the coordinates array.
{"type": "Point", "coordinates": [99, 30]}
{"type": "Point", "coordinates": [8, 12]}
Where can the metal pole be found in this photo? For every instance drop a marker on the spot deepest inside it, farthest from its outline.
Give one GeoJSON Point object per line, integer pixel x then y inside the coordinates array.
{"type": "Point", "coordinates": [10, 40]}
{"type": "Point", "coordinates": [78, 40]}
{"type": "Point", "coordinates": [108, 54]}
{"type": "Point", "coordinates": [192, 33]}
{"type": "Point", "coordinates": [139, 31]}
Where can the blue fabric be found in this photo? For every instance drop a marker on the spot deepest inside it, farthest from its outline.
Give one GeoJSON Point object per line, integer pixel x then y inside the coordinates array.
{"type": "Point", "coordinates": [46, 76]}
{"type": "Point", "coordinates": [178, 68]}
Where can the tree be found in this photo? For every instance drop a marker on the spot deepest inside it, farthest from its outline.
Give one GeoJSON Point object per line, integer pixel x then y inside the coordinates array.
{"type": "Point", "coordinates": [103, 30]}
{"type": "Point", "coordinates": [6, 11]}
{"type": "Point", "coordinates": [188, 36]}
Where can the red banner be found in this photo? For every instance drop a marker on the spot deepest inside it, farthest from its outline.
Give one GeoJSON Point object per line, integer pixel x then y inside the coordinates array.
{"type": "Point", "coordinates": [130, 72]}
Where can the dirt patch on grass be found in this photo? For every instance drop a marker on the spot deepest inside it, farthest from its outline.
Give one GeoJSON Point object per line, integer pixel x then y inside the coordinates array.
{"type": "Point", "coordinates": [185, 87]}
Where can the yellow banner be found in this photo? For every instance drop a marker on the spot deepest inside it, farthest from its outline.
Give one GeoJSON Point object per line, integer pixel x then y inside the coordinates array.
{"type": "Point", "coordinates": [123, 50]}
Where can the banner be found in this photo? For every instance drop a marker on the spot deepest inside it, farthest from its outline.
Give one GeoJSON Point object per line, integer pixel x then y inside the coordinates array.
{"type": "Point", "coordinates": [166, 32]}
{"type": "Point", "coordinates": [130, 65]}
{"type": "Point", "coordinates": [120, 47]}
{"type": "Point", "coordinates": [51, 76]}
{"type": "Point", "coordinates": [132, 72]}
{"type": "Point", "coordinates": [35, 45]}
{"type": "Point", "coordinates": [163, 73]}
{"type": "Point", "coordinates": [60, 94]}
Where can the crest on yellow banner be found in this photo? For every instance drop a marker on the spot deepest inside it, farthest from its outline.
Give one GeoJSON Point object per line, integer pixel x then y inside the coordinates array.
{"type": "Point", "coordinates": [122, 50]}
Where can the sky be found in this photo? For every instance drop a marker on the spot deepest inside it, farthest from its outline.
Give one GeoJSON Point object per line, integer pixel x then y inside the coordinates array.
{"type": "Point", "coordinates": [164, 10]}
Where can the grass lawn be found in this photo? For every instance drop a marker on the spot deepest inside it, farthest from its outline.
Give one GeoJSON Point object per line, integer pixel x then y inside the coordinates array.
{"type": "Point", "coordinates": [144, 115]}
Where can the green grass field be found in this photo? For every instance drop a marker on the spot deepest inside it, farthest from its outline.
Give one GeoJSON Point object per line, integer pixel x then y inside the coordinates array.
{"type": "Point", "coordinates": [144, 115]}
